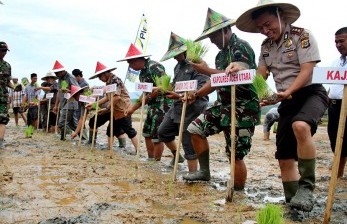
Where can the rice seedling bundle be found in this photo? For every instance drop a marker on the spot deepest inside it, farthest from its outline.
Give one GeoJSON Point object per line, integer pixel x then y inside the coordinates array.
{"type": "Point", "coordinates": [270, 214]}
{"type": "Point", "coordinates": [195, 51]}
{"type": "Point", "coordinates": [163, 83]}
{"type": "Point", "coordinates": [263, 90]}
{"type": "Point", "coordinates": [64, 85]}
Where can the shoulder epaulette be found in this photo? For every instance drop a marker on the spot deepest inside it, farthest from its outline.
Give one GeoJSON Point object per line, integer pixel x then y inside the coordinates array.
{"type": "Point", "coordinates": [296, 30]}
{"type": "Point", "coordinates": [265, 41]}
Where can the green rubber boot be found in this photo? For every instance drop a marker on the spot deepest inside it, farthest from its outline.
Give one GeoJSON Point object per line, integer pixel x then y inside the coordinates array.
{"type": "Point", "coordinates": [290, 188]}
{"type": "Point", "coordinates": [204, 172]}
{"type": "Point", "coordinates": [303, 199]}
{"type": "Point", "coordinates": [122, 142]}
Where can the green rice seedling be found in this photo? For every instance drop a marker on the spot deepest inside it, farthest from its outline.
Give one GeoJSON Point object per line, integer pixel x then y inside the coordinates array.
{"type": "Point", "coordinates": [261, 86]}
{"type": "Point", "coordinates": [64, 85]}
{"type": "Point", "coordinates": [195, 51]}
{"type": "Point", "coordinates": [88, 92]}
{"type": "Point", "coordinates": [94, 106]}
{"type": "Point", "coordinates": [29, 131]}
{"type": "Point", "coordinates": [270, 214]}
{"type": "Point", "coordinates": [263, 90]}
{"type": "Point", "coordinates": [163, 83]}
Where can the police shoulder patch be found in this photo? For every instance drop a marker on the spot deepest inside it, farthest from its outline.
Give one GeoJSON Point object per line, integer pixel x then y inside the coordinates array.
{"type": "Point", "coordinates": [296, 30]}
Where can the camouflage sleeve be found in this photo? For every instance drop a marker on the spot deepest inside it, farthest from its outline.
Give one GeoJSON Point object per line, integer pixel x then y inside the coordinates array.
{"type": "Point", "coordinates": [157, 69]}
{"type": "Point", "coordinates": [243, 52]}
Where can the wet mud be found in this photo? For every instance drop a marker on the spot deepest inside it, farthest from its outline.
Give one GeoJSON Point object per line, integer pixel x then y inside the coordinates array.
{"type": "Point", "coordinates": [48, 181]}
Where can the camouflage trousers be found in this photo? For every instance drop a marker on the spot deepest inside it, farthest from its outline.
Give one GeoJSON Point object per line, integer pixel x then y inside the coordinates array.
{"type": "Point", "coordinates": [216, 119]}
{"type": "Point", "coordinates": [4, 116]}
{"type": "Point", "coordinates": [151, 125]}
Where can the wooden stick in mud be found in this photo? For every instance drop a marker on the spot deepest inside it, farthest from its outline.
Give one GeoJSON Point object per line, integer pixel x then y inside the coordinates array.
{"type": "Point", "coordinates": [49, 108]}
{"type": "Point", "coordinates": [183, 115]}
{"type": "Point", "coordinates": [56, 119]}
{"type": "Point", "coordinates": [337, 157]}
{"type": "Point", "coordinates": [230, 185]}
{"type": "Point", "coordinates": [111, 126]}
{"type": "Point", "coordinates": [82, 128]}
{"type": "Point", "coordinates": [38, 116]}
{"type": "Point", "coordinates": [95, 120]}
{"type": "Point", "coordinates": [140, 130]}
{"type": "Point", "coordinates": [66, 112]}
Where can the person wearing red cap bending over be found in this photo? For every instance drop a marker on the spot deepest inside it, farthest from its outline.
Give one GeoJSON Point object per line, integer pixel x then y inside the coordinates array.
{"type": "Point", "coordinates": [121, 101]}
{"type": "Point", "coordinates": [158, 104]}
{"type": "Point", "coordinates": [65, 80]}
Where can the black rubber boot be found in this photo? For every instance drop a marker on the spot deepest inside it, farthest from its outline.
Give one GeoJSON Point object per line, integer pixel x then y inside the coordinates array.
{"type": "Point", "coordinates": [62, 134]}
{"type": "Point", "coordinates": [204, 172]}
{"type": "Point", "coordinates": [90, 137]}
{"type": "Point", "coordinates": [290, 188]}
{"type": "Point", "coordinates": [122, 142]}
{"type": "Point", "coordinates": [180, 159]}
{"type": "Point", "coordinates": [303, 199]}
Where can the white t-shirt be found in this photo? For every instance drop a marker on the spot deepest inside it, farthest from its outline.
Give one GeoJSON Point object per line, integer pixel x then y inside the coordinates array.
{"type": "Point", "coordinates": [336, 90]}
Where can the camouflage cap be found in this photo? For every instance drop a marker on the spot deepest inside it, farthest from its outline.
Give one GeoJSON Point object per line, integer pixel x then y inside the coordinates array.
{"type": "Point", "coordinates": [290, 14]}
{"type": "Point", "coordinates": [3, 45]}
{"type": "Point", "coordinates": [176, 47]}
{"type": "Point", "coordinates": [214, 21]}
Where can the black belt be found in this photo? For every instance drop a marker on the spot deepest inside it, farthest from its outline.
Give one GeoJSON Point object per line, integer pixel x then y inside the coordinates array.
{"type": "Point", "coordinates": [337, 101]}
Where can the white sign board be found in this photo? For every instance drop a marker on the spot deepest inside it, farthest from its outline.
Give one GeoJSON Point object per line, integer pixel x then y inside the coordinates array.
{"type": "Point", "coordinates": [86, 99]}
{"type": "Point", "coordinates": [238, 78]}
{"type": "Point", "coordinates": [98, 92]}
{"type": "Point", "coordinates": [144, 87]}
{"type": "Point", "coordinates": [67, 95]}
{"type": "Point", "coordinates": [111, 88]}
{"type": "Point", "coordinates": [49, 95]}
{"type": "Point", "coordinates": [332, 75]}
{"type": "Point", "coordinates": [182, 86]}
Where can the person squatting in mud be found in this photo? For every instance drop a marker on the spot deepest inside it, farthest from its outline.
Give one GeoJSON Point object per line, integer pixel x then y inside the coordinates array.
{"type": "Point", "coordinates": [169, 128]}
{"type": "Point", "coordinates": [290, 53]}
{"type": "Point", "coordinates": [217, 118]}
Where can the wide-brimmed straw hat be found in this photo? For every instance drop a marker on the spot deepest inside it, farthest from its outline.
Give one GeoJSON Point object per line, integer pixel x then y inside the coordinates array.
{"type": "Point", "coordinates": [50, 74]}
{"type": "Point", "coordinates": [100, 68]}
{"type": "Point", "coordinates": [176, 46]}
{"type": "Point", "coordinates": [132, 53]}
{"type": "Point", "coordinates": [245, 22]}
{"type": "Point", "coordinates": [214, 21]}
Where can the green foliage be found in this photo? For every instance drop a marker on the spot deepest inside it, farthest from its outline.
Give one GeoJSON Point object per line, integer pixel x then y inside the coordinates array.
{"type": "Point", "coordinates": [195, 51]}
{"type": "Point", "coordinates": [270, 214]}
{"type": "Point", "coordinates": [64, 85]}
{"type": "Point", "coordinates": [29, 131]}
{"type": "Point", "coordinates": [261, 87]}
{"type": "Point", "coordinates": [163, 82]}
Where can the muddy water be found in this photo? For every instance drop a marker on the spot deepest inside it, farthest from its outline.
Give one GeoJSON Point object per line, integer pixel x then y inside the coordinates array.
{"type": "Point", "coordinates": [45, 180]}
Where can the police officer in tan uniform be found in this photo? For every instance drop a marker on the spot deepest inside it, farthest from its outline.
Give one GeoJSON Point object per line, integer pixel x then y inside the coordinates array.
{"type": "Point", "coordinates": [290, 54]}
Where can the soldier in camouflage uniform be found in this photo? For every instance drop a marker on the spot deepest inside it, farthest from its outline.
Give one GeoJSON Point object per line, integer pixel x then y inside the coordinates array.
{"type": "Point", "coordinates": [158, 104]}
{"type": "Point", "coordinates": [5, 81]}
{"type": "Point", "coordinates": [217, 118]}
